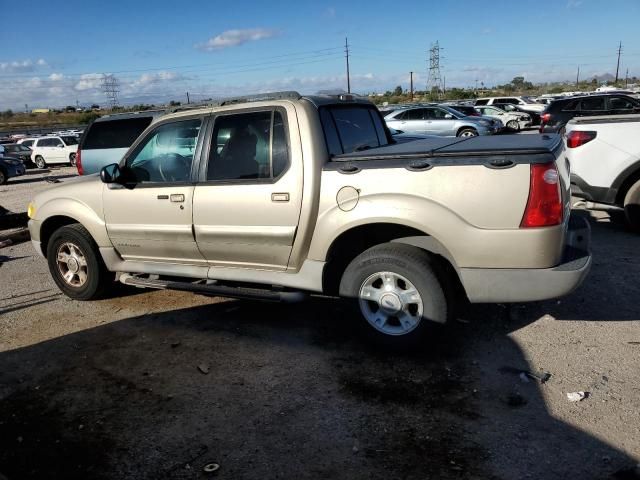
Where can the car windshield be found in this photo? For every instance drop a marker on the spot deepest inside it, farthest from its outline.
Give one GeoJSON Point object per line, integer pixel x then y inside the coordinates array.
{"type": "Point", "coordinates": [70, 140]}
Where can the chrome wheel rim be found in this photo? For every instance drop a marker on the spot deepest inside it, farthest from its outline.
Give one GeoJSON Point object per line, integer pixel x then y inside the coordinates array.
{"type": "Point", "coordinates": [40, 162]}
{"type": "Point", "coordinates": [390, 303]}
{"type": "Point", "coordinates": [72, 264]}
{"type": "Point", "coordinates": [468, 133]}
{"type": "Point", "coordinates": [72, 159]}
{"type": "Point", "coordinates": [513, 125]}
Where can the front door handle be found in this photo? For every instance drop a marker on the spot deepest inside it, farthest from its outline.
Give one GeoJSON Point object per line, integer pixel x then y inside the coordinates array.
{"type": "Point", "coordinates": [177, 198]}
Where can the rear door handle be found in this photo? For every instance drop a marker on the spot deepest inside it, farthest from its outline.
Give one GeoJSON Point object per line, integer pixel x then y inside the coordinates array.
{"type": "Point", "coordinates": [177, 198]}
{"type": "Point", "coordinates": [279, 197]}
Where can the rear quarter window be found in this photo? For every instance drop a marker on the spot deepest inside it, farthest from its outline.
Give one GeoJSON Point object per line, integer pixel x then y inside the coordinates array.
{"type": "Point", "coordinates": [114, 133]}
{"type": "Point", "coordinates": [352, 128]}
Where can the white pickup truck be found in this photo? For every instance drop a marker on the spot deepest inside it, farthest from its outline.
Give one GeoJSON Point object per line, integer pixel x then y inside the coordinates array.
{"type": "Point", "coordinates": [604, 154]}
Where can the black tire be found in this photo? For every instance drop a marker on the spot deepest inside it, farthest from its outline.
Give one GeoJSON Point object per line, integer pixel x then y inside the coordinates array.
{"type": "Point", "coordinates": [72, 159]}
{"type": "Point", "coordinates": [97, 277]}
{"type": "Point", "coordinates": [3, 177]}
{"type": "Point", "coordinates": [467, 132]}
{"type": "Point", "coordinates": [39, 161]}
{"type": "Point", "coordinates": [513, 125]}
{"type": "Point", "coordinates": [632, 206]}
{"type": "Point", "coordinates": [416, 267]}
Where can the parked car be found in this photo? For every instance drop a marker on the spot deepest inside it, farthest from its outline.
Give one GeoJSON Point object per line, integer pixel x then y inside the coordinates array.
{"type": "Point", "coordinates": [107, 139]}
{"type": "Point", "coordinates": [468, 110]}
{"type": "Point", "coordinates": [556, 115]}
{"type": "Point", "coordinates": [52, 149]}
{"type": "Point", "coordinates": [21, 152]}
{"type": "Point", "coordinates": [511, 108]}
{"type": "Point", "coordinates": [400, 137]}
{"type": "Point", "coordinates": [512, 120]}
{"type": "Point", "coordinates": [604, 153]}
{"type": "Point", "coordinates": [9, 167]}
{"type": "Point", "coordinates": [441, 121]}
{"type": "Point", "coordinates": [282, 195]}
{"type": "Point", "coordinates": [526, 104]}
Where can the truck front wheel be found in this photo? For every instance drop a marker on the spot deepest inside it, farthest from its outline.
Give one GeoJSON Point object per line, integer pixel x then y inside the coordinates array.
{"type": "Point", "coordinates": [397, 293]}
{"type": "Point", "coordinates": [632, 206]}
{"type": "Point", "coordinates": [75, 263]}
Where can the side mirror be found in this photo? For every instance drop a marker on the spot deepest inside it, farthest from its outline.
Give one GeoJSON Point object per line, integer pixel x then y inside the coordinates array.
{"type": "Point", "coordinates": [110, 173]}
{"type": "Point", "coordinates": [448, 116]}
{"type": "Point", "coordinates": [60, 145]}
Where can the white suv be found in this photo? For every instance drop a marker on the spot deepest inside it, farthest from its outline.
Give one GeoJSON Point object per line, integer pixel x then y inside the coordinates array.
{"type": "Point", "coordinates": [52, 149]}
{"type": "Point", "coordinates": [525, 103]}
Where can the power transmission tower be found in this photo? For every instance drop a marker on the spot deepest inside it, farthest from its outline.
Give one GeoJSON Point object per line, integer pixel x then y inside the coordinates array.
{"type": "Point", "coordinates": [578, 76]}
{"type": "Point", "coordinates": [434, 79]}
{"type": "Point", "coordinates": [110, 87]}
{"type": "Point", "coordinates": [618, 65]}
{"type": "Point", "coordinates": [346, 52]}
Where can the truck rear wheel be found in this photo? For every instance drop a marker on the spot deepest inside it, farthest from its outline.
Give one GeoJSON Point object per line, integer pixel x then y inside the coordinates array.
{"type": "Point", "coordinates": [397, 293]}
{"type": "Point", "coordinates": [75, 263]}
{"type": "Point", "coordinates": [632, 206]}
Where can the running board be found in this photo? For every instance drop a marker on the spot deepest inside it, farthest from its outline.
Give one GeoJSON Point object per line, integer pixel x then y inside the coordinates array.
{"type": "Point", "coordinates": [213, 289]}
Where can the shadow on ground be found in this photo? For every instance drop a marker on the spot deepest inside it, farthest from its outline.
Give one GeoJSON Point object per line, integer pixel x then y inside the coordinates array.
{"type": "Point", "coordinates": [276, 391]}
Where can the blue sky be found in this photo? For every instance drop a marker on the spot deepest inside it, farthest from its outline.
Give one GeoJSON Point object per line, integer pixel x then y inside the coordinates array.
{"type": "Point", "coordinates": [57, 52]}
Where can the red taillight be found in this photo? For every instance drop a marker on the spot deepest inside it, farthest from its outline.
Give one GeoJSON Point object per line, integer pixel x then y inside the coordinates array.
{"type": "Point", "coordinates": [544, 207]}
{"type": "Point", "coordinates": [576, 138]}
{"type": "Point", "coordinates": [545, 117]}
{"type": "Point", "coordinates": [79, 163]}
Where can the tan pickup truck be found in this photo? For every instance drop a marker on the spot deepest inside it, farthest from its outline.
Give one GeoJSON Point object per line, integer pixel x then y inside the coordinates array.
{"type": "Point", "coordinates": [279, 196]}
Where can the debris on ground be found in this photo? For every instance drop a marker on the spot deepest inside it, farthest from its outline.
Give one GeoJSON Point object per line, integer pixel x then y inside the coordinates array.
{"type": "Point", "coordinates": [211, 467]}
{"type": "Point", "coordinates": [176, 344]}
{"type": "Point", "coordinates": [203, 368]}
{"type": "Point", "coordinates": [51, 180]}
{"type": "Point", "coordinates": [633, 343]}
{"type": "Point", "coordinates": [577, 396]}
{"type": "Point", "coordinates": [541, 377]}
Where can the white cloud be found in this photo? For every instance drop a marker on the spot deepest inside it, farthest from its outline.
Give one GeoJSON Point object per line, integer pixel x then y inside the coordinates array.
{"type": "Point", "coordinates": [88, 81]}
{"type": "Point", "coordinates": [574, 3]}
{"type": "Point", "coordinates": [56, 77]}
{"type": "Point", "coordinates": [233, 38]}
{"type": "Point", "coordinates": [148, 79]}
{"type": "Point", "coordinates": [27, 65]}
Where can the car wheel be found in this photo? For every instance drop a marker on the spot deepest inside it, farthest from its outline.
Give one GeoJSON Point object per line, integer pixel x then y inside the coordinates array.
{"type": "Point", "coordinates": [72, 159]}
{"type": "Point", "coordinates": [468, 132]}
{"type": "Point", "coordinates": [513, 125]}
{"type": "Point", "coordinates": [397, 293]}
{"type": "Point", "coordinates": [76, 265]}
{"type": "Point", "coordinates": [632, 206]}
{"type": "Point", "coordinates": [3, 177]}
{"type": "Point", "coordinates": [40, 163]}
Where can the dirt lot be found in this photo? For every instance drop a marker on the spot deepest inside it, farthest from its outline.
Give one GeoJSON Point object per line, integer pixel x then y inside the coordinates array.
{"type": "Point", "coordinates": [18, 192]}
{"type": "Point", "coordinates": [115, 389]}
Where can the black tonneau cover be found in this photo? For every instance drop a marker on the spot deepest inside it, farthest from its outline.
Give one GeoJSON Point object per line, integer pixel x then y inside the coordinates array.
{"type": "Point", "coordinates": [512, 145]}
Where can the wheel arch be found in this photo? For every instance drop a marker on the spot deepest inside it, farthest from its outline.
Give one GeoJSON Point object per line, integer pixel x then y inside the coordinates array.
{"type": "Point", "coordinates": [466, 127]}
{"type": "Point", "coordinates": [357, 239]}
{"type": "Point", "coordinates": [625, 180]}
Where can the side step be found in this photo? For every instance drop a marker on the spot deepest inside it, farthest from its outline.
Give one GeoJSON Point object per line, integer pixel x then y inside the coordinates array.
{"type": "Point", "coordinates": [213, 289]}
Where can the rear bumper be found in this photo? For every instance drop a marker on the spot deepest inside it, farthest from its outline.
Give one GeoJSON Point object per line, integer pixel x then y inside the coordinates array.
{"type": "Point", "coordinates": [486, 285]}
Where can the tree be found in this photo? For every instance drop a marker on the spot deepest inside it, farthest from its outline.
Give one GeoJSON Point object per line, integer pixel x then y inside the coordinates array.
{"type": "Point", "coordinates": [397, 91]}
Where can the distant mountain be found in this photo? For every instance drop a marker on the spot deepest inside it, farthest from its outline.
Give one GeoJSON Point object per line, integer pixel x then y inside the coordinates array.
{"type": "Point", "coordinates": [605, 77]}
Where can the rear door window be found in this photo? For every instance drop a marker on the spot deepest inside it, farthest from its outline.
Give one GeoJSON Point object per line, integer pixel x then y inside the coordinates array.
{"type": "Point", "coordinates": [114, 133]}
{"type": "Point", "coordinates": [482, 102]}
{"type": "Point", "coordinates": [415, 114]}
{"type": "Point", "coordinates": [27, 143]}
{"type": "Point", "coordinates": [352, 128]}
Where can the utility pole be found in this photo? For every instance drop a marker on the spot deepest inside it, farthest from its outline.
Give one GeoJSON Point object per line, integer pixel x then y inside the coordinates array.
{"type": "Point", "coordinates": [411, 89]}
{"type": "Point", "coordinates": [434, 68]}
{"type": "Point", "coordinates": [618, 65]}
{"type": "Point", "coordinates": [626, 79]}
{"type": "Point", "coordinates": [578, 76]}
{"type": "Point", "coordinates": [444, 86]}
{"type": "Point", "coordinates": [346, 51]}
{"type": "Point", "coordinates": [188, 102]}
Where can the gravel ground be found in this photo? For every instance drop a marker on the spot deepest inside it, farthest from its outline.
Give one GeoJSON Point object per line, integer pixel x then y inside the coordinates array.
{"type": "Point", "coordinates": [18, 192]}
{"type": "Point", "coordinates": [116, 389]}
{"type": "Point", "coordinates": [153, 384]}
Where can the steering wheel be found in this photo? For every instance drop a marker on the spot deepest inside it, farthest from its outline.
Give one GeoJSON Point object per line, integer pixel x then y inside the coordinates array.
{"type": "Point", "coordinates": [171, 164]}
